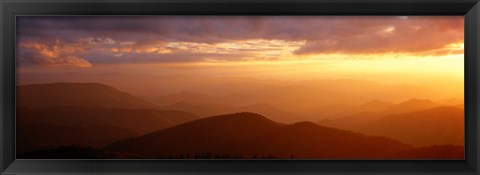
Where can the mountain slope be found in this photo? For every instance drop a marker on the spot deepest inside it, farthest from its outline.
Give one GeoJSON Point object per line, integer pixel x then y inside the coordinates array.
{"type": "Point", "coordinates": [200, 109]}
{"type": "Point", "coordinates": [86, 114]}
{"type": "Point", "coordinates": [410, 106]}
{"type": "Point", "coordinates": [250, 134]}
{"type": "Point", "coordinates": [204, 135]}
{"type": "Point", "coordinates": [361, 119]}
{"type": "Point", "coordinates": [92, 95]}
{"type": "Point", "coordinates": [331, 112]}
{"type": "Point", "coordinates": [206, 110]}
{"type": "Point", "coordinates": [272, 113]}
{"type": "Point", "coordinates": [138, 120]}
{"type": "Point", "coordinates": [180, 97]}
{"type": "Point", "coordinates": [74, 152]}
{"type": "Point", "coordinates": [432, 152]}
{"type": "Point", "coordinates": [375, 105]}
{"type": "Point", "coordinates": [442, 125]}
{"type": "Point", "coordinates": [32, 137]}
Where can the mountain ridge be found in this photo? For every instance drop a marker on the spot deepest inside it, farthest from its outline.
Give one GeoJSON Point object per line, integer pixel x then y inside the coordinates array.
{"type": "Point", "coordinates": [77, 94]}
{"type": "Point", "coordinates": [138, 120]}
{"type": "Point", "coordinates": [249, 133]}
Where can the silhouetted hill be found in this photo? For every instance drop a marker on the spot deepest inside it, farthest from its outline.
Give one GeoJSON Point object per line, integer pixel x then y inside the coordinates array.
{"type": "Point", "coordinates": [138, 120]}
{"type": "Point", "coordinates": [205, 135]}
{"type": "Point", "coordinates": [249, 134]}
{"type": "Point", "coordinates": [432, 152]}
{"type": "Point", "coordinates": [272, 112]}
{"type": "Point", "coordinates": [75, 152]}
{"type": "Point", "coordinates": [32, 137]}
{"type": "Point", "coordinates": [207, 110]}
{"type": "Point", "coordinates": [309, 140]}
{"type": "Point", "coordinates": [92, 95]}
{"type": "Point", "coordinates": [87, 114]}
{"type": "Point", "coordinates": [79, 152]}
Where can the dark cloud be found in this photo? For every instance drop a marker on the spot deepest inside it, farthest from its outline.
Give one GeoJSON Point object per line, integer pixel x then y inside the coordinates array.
{"type": "Point", "coordinates": [415, 35]}
{"type": "Point", "coordinates": [99, 35]}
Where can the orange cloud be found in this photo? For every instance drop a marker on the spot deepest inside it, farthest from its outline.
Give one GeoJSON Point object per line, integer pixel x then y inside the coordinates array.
{"type": "Point", "coordinates": [55, 54]}
{"type": "Point", "coordinates": [111, 40]}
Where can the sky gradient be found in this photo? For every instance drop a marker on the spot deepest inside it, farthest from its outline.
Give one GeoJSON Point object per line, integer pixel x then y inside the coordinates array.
{"type": "Point", "coordinates": [341, 87]}
{"type": "Point", "coordinates": [426, 50]}
{"type": "Point", "coordinates": [86, 41]}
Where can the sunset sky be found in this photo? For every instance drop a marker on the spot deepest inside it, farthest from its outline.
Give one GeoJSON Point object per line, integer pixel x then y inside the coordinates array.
{"type": "Point", "coordinates": [186, 87]}
{"type": "Point", "coordinates": [388, 49]}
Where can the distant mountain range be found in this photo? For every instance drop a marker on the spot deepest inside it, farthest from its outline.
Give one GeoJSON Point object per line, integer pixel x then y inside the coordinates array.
{"type": "Point", "coordinates": [91, 114]}
{"type": "Point", "coordinates": [410, 106]}
{"type": "Point", "coordinates": [441, 125]}
{"type": "Point", "coordinates": [287, 95]}
{"type": "Point", "coordinates": [374, 110]}
{"type": "Point", "coordinates": [420, 127]}
{"type": "Point", "coordinates": [335, 111]}
{"type": "Point", "coordinates": [100, 116]}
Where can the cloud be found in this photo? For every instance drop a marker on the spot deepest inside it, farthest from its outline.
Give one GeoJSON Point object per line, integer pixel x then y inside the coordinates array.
{"type": "Point", "coordinates": [52, 54]}
{"type": "Point", "coordinates": [415, 35]}
{"type": "Point", "coordinates": [90, 40]}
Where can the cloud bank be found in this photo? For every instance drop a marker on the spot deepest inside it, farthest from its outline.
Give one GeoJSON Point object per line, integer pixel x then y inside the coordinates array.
{"type": "Point", "coordinates": [86, 41]}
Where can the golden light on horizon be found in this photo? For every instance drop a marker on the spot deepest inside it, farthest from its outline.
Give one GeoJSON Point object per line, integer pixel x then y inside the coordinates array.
{"type": "Point", "coordinates": [374, 87]}
{"type": "Point", "coordinates": [403, 57]}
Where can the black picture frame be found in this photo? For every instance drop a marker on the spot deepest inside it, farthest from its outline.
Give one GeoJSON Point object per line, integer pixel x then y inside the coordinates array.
{"type": "Point", "coordinates": [11, 8]}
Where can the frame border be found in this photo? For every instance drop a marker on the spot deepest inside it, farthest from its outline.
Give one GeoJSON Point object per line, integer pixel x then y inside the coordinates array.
{"type": "Point", "coordinates": [11, 8]}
